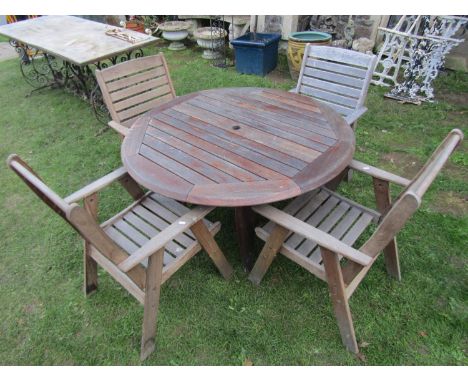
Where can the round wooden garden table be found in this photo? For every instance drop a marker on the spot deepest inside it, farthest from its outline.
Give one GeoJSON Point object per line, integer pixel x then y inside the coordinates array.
{"type": "Point", "coordinates": [238, 147]}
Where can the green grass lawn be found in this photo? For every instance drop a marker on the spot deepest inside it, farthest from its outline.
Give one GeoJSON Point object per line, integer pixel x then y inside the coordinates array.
{"type": "Point", "coordinates": [203, 320]}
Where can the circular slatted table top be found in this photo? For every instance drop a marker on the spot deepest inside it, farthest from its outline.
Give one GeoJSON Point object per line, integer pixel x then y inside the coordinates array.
{"type": "Point", "coordinates": [237, 147]}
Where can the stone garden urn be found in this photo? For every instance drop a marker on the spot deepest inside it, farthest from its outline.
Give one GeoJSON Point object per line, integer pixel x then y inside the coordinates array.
{"type": "Point", "coordinates": [175, 31]}
{"type": "Point", "coordinates": [210, 39]}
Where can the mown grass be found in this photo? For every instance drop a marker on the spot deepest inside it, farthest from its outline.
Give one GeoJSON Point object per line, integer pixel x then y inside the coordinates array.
{"type": "Point", "coordinates": [288, 320]}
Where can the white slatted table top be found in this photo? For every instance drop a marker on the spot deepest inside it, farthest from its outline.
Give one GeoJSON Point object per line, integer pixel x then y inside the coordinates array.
{"type": "Point", "coordinates": [73, 39]}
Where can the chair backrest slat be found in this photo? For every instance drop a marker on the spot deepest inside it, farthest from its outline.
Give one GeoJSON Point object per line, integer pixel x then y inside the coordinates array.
{"type": "Point", "coordinates": [336, 76]}
{"type": "Point", "coordinates": [133, 87]}
{"type": "Point", "coordinates": [410, 198]}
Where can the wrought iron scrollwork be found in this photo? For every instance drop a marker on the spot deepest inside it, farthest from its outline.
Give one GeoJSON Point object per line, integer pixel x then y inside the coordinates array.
{"type": "Point", "coordinates": [41, 70]}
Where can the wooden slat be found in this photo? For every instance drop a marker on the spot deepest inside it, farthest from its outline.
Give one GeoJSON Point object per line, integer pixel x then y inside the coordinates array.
{"type": "Point", "coordinates": [258, 121]}
{"type": "Point", "coordinates": [345, 56]}
{"type": "Point", "coordinates": [157, 84]}
{"type": "Point", "coordinates": [294, 206]}
{"type": "Point", "coordinates": [135, 78]}
{"type": "Point", "coordinates": [130, 232]}
{"type": "Point", "coordinates": [340, 229]}
{"type": "Point", "coordinates": [361, 224]}
{"type": "Point", "coordinates": [334, 77]}
{"type": "Point", "coordinates": [280, 144]}
{"type": "Point", "coordinates": [301, 103]}
{"type": "Point", "coordinates": [166, 181]}
{"type": "Point", "coordinates": [327, 96]}
{"type": "Point", "coordinates": [143, 107]}
{"type": "Point", "coordinates": [290, 253]}
{"type": "Point", "coordinates": [176, 228]}
{"type": "Point", "coordinates": [331, 87]}
{"type": "Point", "coordinates": [184, 171]}
{"type": "Point", "coordinates": [344, 111]}
{"type": "Point", "coordinates": [132, 66]}
{"type": "Point", "coordinates": [337, 68]}
{"type": "Point", "coordinates": [312, 233]}
{"type": "Point", "coordinates": [308, 212]}
{"type": "Point", "coordinates": [159, 223]}
{"type": "Point", "coordinates": [272, 159]}
{"type": "Point", "coordinates": [123, 242]}
{"type": "Point", "coordinates": [284, 119]}
{"type": "Point", "coordinates": [215, 168]}
{"type": "Point", "coordinates": [135, 220]}
{"type": "Point", "coordinates": [326, 225]}
{"type": "Point", "coordinates": [220, 152]}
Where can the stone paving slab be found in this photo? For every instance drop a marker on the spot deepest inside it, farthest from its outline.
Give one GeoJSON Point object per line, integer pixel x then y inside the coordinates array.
{"type": "Point", "coordinates": [7, 52]}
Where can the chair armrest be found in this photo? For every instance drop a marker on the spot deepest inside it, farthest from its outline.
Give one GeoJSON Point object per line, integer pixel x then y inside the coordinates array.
{"type": "Point", "coordinates": [96, 186]}
{"type": "Point", "coordinates": [353, 117]}
{"type": "Point", "coordinates": [323, 239]}
{"type": "Point", "coordinates": [379, 173]}
{"type": "Point", "coordinates": [161, 239]}
{"type": "Point", "coordinates": [121, 129]}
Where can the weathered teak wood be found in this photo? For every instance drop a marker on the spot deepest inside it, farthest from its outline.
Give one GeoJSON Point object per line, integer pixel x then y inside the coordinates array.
{"type": "Point", "coordinates": [90, 204]}
{"type": "Point", "coordinates": [337, 77]}
{"type": "Point", "coordinates": [383, 202]}
{"type": "Point", "coordinates": [237, 147]}
{"type": "Point", "coordinates": [141, 247]}
{"type": "Point", "coordinates": [324, 226]}
{"type": "Point", "coordinates": [133, 87]}
{"type": "Point", "coordinates": [73, 39]}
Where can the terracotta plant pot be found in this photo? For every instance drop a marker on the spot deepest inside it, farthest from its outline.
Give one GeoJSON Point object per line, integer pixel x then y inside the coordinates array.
{"type": "Point", "coordinates": [137, 27]}
{"type": "Point", "coordinates": [296, 45]}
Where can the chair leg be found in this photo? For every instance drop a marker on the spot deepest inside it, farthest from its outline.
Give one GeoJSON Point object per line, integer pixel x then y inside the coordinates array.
{"type": "Point", "coordinates": [269, 251]}
{"type": "Point", "coordinates": [340, 302]}
{"type": "Point", "coordinates": [383, 201]}
{"type": "Point", "coordinates": [90, 266]}
{"type": "Point", "coordinates": [152, 293]}
{"type": "Point", "coordinates": [206, 240]}
{"type": "Point", "coordinates": [90, 270]}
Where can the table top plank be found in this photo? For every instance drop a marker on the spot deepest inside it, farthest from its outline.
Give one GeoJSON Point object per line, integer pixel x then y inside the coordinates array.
{"type": "Point", "coordinates": [281, 116]}
{"type": "Point", "coordinates": [209, 163]}
{"type": "Point", "coordinates": [257, 121]}
{"type": "Point", "coordinates": [255, 151]}
{"type": "Point", "coordinates": [73, 39]}
{"type": "Point", "coordinates": [269, 140]}
{"type": "Point", "coordinates": [228, 156]}
{"type": "Point", "coordinates": [213, 148]}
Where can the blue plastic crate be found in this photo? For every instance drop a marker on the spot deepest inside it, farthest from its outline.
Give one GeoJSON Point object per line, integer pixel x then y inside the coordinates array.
{"type": "Point", "coordinates": [259, 56]}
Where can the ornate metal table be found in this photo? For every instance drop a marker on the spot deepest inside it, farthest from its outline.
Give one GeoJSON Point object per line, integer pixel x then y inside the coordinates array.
{"type": "Point", "coordinates": [238, 147]}
{"type": "Point", "coordinates": [63, 51]}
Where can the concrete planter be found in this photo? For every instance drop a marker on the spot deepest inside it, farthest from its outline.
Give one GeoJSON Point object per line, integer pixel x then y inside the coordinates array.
{"type": "Point", "coordinates": [175, 31]}
{"type": "Point", "coordinates": [210, 39]}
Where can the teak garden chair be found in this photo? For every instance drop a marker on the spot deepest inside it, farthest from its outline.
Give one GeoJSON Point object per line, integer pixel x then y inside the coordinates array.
{"type": "Point", "coordinates": [317, 230]}
{"type": "Point", "coordinates": [141, 247]}
{"type": "Point", "coordinates": [133, 87]}
{"type": "Point", "coordinates": [338, 77]}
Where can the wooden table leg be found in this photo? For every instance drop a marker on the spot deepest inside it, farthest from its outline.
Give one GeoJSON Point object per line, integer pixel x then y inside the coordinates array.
{"type": "Point", "coordinates": [245, 226]}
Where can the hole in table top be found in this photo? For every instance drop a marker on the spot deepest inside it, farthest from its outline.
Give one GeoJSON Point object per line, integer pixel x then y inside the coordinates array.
{"type": "Point", "coordinates": [235, 127]}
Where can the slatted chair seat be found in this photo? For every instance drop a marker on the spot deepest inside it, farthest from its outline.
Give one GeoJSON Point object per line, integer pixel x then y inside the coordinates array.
{"type": "Point", "coordinates": [140, 247]}
{"type": "Point", "coordinates": [136, 225]}
{"type": "Point", "coordinates": [338, 77]}
{"type": "Point", "coordinates": [317, 230]}
{"type": "Point", "coordinates": [328, 211]}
